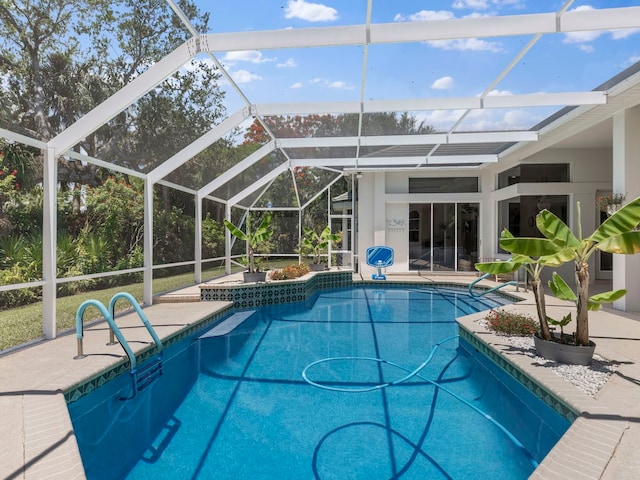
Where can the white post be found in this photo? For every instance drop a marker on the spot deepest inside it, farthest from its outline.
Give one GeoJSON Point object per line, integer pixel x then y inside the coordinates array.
{"type": "Point", "coordinates": [198, 240]}
{"type": "Point", "coordinates": [380, 217]}
{"type": "Point", "coordinates": [148, 243]}
{"type": "Point", "coordinates": [626, 171]}
{"type": "Point", "coordinates": [227, 241]}
{"type": "Point", "coordinates": [49, 242]}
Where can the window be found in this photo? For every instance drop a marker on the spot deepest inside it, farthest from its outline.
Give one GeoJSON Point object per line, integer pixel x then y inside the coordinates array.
{"type": "Point", "coordinates": [518, 215]}
{"type": "Point", "coordinates": [534, 173]}
{"type": "Point", "coordinates": [443, 185]}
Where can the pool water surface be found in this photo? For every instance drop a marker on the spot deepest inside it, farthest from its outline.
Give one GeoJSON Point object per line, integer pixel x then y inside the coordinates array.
{"type": "Point", "coordinates": [236, 406]}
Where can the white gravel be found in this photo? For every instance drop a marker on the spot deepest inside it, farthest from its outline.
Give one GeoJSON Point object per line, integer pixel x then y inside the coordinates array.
{"type": "Point", "coordinates": [590, 378]}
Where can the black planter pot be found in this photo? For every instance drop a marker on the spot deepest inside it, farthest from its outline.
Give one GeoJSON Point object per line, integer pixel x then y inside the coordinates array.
{"type": "Point", "coordinates": [562, 352]}
{"type": "Point", "coordinates": [318, 267]}
{"type": "Point", "coordinates": [253, 277]}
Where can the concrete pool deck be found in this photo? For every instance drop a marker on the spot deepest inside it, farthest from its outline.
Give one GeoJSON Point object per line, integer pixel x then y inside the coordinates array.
{"type": "Point", "coordinates": [38, 440]}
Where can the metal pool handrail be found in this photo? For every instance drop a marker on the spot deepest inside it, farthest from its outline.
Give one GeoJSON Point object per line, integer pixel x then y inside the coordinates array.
{"type": "Point", "coordinates": [143, 317]}
{"type": "Point", "coordinates": [497, 287]}
{"type": "Point", "coordinates": [112, 325]}
{"type": "Point", "coordinates": [114, 330]}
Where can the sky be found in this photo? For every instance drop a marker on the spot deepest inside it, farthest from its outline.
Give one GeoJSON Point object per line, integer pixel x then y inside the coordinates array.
{"type": "Point", "coordinates": [458, 68]}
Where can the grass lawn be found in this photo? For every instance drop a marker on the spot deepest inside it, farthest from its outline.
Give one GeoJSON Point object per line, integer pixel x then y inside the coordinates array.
{"type": "Point", "coordinates": [23, 324]}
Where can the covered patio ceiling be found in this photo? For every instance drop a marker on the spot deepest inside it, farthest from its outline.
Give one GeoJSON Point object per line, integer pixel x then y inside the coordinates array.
{"type": "Point", "coordinates": [462, 131]}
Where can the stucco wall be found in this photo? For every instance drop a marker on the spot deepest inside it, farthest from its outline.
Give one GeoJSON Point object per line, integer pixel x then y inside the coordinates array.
{"type": "Point", "coordinates": [384, 216]}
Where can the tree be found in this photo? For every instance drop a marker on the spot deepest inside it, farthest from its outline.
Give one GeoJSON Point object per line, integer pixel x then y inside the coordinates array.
{"type": "Point", "coordinates": [61, 58]}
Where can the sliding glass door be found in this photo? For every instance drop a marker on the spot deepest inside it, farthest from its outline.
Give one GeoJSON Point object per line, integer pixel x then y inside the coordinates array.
{"type": "Point", "coordinates": [443, 236]}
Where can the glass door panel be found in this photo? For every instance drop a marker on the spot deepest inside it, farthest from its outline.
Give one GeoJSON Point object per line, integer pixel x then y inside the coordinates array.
{"type": "Point", "coordinates": [420, 236]}
{"type": "Point", "coordinates": [443, 236]}
{"type": "Point", "coordinates": [467, 236]}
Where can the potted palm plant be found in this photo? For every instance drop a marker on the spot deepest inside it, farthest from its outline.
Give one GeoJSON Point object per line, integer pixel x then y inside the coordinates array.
{"type": "Point", "coordinates": [561, 245]}
{"type": "Point", "coordinates": [257, 242]}
{"type": "Point", "coordinates": [315, 244]}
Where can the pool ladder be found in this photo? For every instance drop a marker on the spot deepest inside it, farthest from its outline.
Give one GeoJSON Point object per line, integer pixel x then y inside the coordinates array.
{"type": "Point", "coordinates": [142, 375]}
{"type": "Point", "coordinates": [498, 287]}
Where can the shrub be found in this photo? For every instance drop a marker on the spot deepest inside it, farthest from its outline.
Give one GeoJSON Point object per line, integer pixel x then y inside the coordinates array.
{"type": "Point", "coordinates": [511, 323]}
{"type": "Point", "coordinates": [289, 272]}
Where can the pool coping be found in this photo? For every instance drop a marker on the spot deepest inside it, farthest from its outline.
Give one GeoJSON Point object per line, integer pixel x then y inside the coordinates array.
{"type": "Point", "coordinates": [588, 449]}
{"type": "Point", "coordinates": [35, 409]}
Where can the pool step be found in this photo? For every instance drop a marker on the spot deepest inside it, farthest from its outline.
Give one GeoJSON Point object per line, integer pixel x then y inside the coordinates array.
{"type": "Point", "coordinates": [177, 298]}
{"type": "Point", "coordinates": [147, 373]}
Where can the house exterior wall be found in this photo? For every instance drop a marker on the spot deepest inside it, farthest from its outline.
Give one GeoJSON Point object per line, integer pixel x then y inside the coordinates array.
{"type": "Point", "coordinates": [384, 212]}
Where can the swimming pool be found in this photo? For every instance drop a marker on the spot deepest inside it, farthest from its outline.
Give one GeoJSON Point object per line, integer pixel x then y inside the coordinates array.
{"type": "Point", "coordinates": [236, 405]}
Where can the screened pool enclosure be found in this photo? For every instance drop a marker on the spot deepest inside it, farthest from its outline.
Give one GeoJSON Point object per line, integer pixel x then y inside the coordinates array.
{"type": "Point", "coordinates": [129, 131]}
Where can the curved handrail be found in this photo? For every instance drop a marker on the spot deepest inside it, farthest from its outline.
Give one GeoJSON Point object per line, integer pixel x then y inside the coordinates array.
{"type": "Point", "coordinates": [497, 287]}
{"type": "Point", "coordinates": [112, 325]}
{"type": "Point", "coordinates": [143, 317]}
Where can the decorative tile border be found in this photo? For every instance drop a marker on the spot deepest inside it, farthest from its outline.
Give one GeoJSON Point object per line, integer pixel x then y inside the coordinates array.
{"type": "Point", "coordinates": [546, 395]}
{"type": "Point", "coordinates": [255, 295]}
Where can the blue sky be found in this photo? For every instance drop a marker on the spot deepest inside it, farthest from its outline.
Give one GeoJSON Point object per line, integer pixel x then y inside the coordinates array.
{"type": "Point", "coordinates": [461, 68]}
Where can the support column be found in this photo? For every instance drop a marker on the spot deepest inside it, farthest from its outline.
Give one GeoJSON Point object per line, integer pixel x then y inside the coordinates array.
{"type": "Point", "coordinates": [148, 243]}
{"type": "Point", "coordinates": [227, 241]}
{"type": "Point", "coordinates": [198, 242]}
{"type": "Point", "coordinates": [626, 171]}
{"type": "Point", "coordinates": [380, 216]}
{"type": "Point", "coordinates": [488, 233]}
{"type": "Point", "coordinates": [49, 242]}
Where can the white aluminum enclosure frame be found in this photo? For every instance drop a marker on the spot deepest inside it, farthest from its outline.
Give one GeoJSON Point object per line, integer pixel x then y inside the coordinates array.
{"type": "Point", "coordinates": [364, 35]}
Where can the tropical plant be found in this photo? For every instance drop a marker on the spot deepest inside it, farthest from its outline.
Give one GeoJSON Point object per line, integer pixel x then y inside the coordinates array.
{"type": "Point", "coordinates": [315, 244]}
{"type": "Point", "coordinates": [540, 255]}
{"type": "Point", "coordinates": [614, 235]}
{"type": "Point", "coordinates": [257, 240]}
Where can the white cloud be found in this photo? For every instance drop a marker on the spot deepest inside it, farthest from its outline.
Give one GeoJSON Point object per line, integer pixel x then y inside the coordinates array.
{"type": "Point", "coordinates": [586, 48]}
{"type": "Point", "coordinates": [311, 12]}
{"type": "Point", "coordinates": [499, 93]}
{"type": "Point", "coordinates": [424, 15]}
{"type": "Point", "coordinates": [633, 59]}
{"type": "Point", "coordinates": [624, 33]}
{"type": "Point", "coordinates": [490, 120]}
{"type": "Point", "coordinates": [252, 56]}
{"type": "Point", "coordinates": [443, 83]}
{"type": "Point", "coordinates": [339, 84]}
{"type": "Point", "coordinates": [510, 3]}
{"type": "Point", "coordinates": [441, 120]}
{"type": "Point", "coordinates": [473, 44]}
{"type": "Point", "coordinates": [474, 4]}
{"type": "Point", "coordinates": [244, 76]}
{"type": "Point", "coordinates": [582, 37]}
{"type": "Point", "coordinates": [296, 85]}
{"type": "Point", "coordinates": [289, 63]}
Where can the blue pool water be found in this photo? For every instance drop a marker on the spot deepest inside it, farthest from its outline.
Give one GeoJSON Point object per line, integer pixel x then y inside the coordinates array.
{"type": "Point", "coordinates": [237, 407]}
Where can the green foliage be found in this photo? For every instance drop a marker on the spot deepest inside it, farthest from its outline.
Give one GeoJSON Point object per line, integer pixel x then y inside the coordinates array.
{"type": "Point", "coordinates": [212, 238]}
{"type": "Point", "coordinates": [289, 272]}
{"type": "Point", "coordinates": [115, 210]}
{"type": "Point", "coordinates": [258, 240]}
{"type": "Point", "coordinates": [561, 244]}
{"type": "Point", "coordinates": [174, 236]}
{"type": "Point", "coordinates": [315, 244]}
{"type": "Point", "coordinates": [507, 322]}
